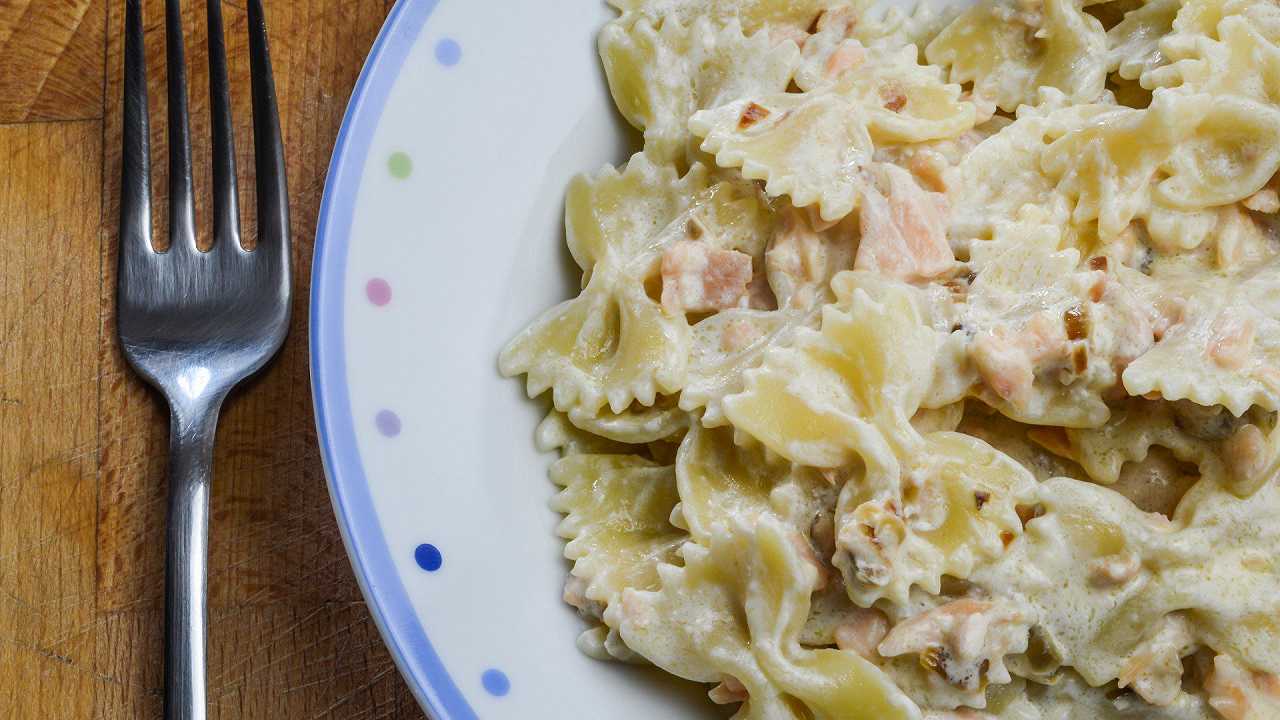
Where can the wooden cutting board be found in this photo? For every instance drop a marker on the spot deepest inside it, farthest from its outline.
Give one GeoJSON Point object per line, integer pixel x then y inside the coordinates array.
{"type": "Point", "coordinates": [83, 442]}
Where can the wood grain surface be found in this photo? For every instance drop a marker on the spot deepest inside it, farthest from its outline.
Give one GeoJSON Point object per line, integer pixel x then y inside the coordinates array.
{"type": "Point", "coordinates": [83, 441]}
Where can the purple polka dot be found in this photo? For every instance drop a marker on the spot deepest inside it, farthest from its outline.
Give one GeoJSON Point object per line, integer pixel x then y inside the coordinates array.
{"type": "Point", "coordinates": [378, 291]}
{"type": "Point", "coordinates": [495, 682]}
{"type": "Point", "coordinates": [388, 423]}
{"type": "Point", "coordinates": [448, 52]}
{"type": "Point", "coordinates": [428, 557]}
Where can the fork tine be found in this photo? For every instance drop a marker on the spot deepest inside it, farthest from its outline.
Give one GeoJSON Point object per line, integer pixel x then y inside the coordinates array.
{"type": "Point", "coordinates": [182, 222]}
{"type": "Point", "coordinates": [135, 173]}
{"type": "Point", "coordinates": [226, 209]}
{"type": "Point", "coordinates": [273, 192]}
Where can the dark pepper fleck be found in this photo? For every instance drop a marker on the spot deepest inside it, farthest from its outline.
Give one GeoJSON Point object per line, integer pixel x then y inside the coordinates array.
{"type": "Point", "coordinates": [980, 498]}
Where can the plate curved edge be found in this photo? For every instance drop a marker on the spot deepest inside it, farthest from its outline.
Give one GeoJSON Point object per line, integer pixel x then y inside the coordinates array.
{"type": "Point", "coordinates": [383, 590]}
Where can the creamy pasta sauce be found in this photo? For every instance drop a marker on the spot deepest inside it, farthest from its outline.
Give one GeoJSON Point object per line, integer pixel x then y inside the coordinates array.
{"type": "Point", "coordinates": [927, 365]}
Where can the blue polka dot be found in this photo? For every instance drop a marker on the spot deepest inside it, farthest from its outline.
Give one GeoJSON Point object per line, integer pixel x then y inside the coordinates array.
{"type": "Point", "coordinates": [428, 557]}
{"type": "Point", "coordinates": [388, 423]}
{"type": "Point", "coordinates": [448, 52]}
{"type": "Point", "coordinates": [495, 682]}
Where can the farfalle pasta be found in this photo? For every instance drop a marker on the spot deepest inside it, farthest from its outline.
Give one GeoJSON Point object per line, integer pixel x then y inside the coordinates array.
{"type": "Point", "coordinates": [927, 364]}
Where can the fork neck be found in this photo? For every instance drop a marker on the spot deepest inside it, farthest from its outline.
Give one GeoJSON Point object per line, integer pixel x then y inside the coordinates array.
{"type": "Point", "coordinates": [194, 406]}
{"type": "Point", "coordinates": [192, 425]}
{"type": "Point", "coordinates": [195, 395]}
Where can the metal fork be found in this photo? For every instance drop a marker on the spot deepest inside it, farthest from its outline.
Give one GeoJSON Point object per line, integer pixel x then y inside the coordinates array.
{"type": "Point", "coordinates": [192, 323]}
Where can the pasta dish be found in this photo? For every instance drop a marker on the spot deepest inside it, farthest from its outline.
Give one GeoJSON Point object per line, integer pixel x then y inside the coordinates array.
{"type": "Point", "coordinates": [926, 364]}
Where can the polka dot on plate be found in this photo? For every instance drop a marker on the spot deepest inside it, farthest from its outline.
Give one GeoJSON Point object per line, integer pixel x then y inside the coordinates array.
{"type": "Point", "coordinates": [448, 52]}
{"type": "Point", "coordinates": [428, 557]}
{"type": "Point", "coordinates": [400, 165]}
{"type": "Point", "coordinates": [378, 291]}
{"type": "Point", "coordinates": [495, 682]}
{"type": "Point", "coordinates": [388, 423]}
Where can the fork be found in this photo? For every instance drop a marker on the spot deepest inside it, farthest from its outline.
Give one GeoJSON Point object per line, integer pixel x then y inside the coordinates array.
{"type": "Point", "coordinates": [194, 323]}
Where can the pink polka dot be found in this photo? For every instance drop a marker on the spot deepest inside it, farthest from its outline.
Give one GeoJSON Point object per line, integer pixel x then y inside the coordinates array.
{"type": "Point", "coordinates": [378, 291]}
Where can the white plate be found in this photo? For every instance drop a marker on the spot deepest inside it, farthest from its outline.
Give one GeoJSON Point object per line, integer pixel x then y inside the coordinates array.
{"type": "Point", "coordinates": [440, 235]}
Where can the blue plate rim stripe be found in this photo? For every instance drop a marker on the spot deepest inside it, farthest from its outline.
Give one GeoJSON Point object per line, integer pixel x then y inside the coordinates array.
{"type": "Point", "coordinates": [366, 544]}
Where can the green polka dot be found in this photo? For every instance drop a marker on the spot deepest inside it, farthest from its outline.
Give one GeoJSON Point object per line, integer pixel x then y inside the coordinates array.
{"type": "Point", "coordinates": [400, 165]}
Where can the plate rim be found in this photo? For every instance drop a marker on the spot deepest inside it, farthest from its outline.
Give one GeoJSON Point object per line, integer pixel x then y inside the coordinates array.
{"type": "Point", "coordinates": [366, 545]}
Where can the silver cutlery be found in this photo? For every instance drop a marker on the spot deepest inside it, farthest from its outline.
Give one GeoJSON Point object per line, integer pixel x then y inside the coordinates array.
{"type": "Point", "coordinates": [194, 324]}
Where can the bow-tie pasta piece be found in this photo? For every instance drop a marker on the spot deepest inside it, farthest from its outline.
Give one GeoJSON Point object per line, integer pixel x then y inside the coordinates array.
{"type": "Point", "coordinates": [1008, 53]}
{"type": "Point", "coordinates": [1137, 427]}
{"type": "Point", "coordinates": [1225, 351]}
{"type": "Point", "coordinates": [1215, 41]}
{"type": "Point", "coordinates": [1233, 152]}
{"type": "Point", "coordinates": [1003, 174]}
{"type": "Point", "coordinates": [1107, 166]}
{"type": "Point", "coordinates": [938, 306]}
{"type": "Point", "coordinates": [825, 399]}
{"type": "Point", "coordinates": [661, 73]}
{"type": "Point", "coordinates": [905, 102]}
{"type": "Point", "coordinates": [1206, 152]}
{"type": "Point", "coordinates": [1250, 66]}
{"type": "Point", "coordinates": [637, 424]}
{"type": "Point", "coordinates": [617, 523]}
{"type": "Point", "coordinates": [845, 394]}
{"type": "Point", "coordinates": [1088, 553]}
{"type": "Point", "coordinates": [1133, 45]}
{"type": "Point", "coordinates": [785, 16]}
{"type": "Point", "coordinates": [1213, 558]}
{"type": "Point", "coordinates": [1079, 559]}
{"type": "Point", "coordinates": [1228, 450]}
{"type": "Point", "coordinates": [613, 343]}
{"type": "Point", "coordinates": [1247, 631]}
{"type": "Point", "coordinates": [908, 103]}
{"type": "Point", "coordinates": [810, 147]}
{"type": "Point", "coordinates": [614, 216]}
{"type": "Point", "coordinates": [1090, 163]}
{"type": "Point", "coordinates": [813, 146]}
{"type": "Point", "coordinates": [949, 504]}
{"type": "Point", "coordinates": [733, 615]}
{"type": "Point", "coordinates": [556, 433]}
{"type": "Point", "coordinates": [719, 479]}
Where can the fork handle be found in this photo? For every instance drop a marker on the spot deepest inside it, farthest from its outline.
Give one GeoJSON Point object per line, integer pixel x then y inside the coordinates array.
{"type": "Point", "coordinates": [191, 432]}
